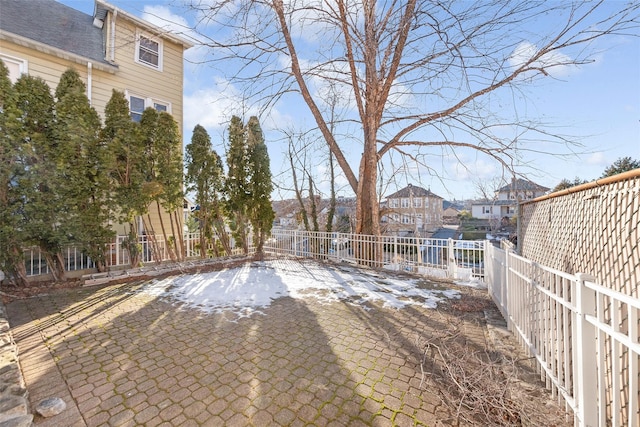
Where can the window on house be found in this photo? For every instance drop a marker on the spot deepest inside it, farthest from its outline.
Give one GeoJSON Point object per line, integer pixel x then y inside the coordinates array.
{"type": "Point", "coordinates": [137, 105]}
{"type": "Point", "coordinates": [405, 219]}
{"type": "Point", "coordinates": [487, 209]}
{"type": "Point", "coordinates": [396, 217]}
{"type": "Point", "coordinates": [404, 203]}
{"type": "Point", "coordinates": [417, 203]}
{"type": "Point", "coordinates": [16, 66]}
{"type": "Point", "coordinates": [149, 51]}
{"type": "Point", "coordinates": [393, 203]}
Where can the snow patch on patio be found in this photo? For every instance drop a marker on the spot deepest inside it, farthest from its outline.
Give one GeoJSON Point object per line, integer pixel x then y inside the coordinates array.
{"type": "Point", "coordinates": [247, 289]}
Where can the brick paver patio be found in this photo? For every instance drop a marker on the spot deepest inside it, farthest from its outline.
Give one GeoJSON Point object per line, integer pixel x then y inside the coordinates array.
{"type": "Point", "coordinates": [121, 357]}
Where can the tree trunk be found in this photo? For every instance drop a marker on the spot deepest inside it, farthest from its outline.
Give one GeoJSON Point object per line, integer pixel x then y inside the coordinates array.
{"type": "Point", "coordinates": [183, 249]}
{"type": "Point", "coordinates": [367, 207]}
{"type": "Point", "coordinates": [132, 246]}
{"type": "Point", "coordinates": [177, 238]}
{"type": "Point", "coordinates": [19, 270]}
{"type": "Point", "coordinates": [203, 238]}
{"type": "Point", "coordinates": [56, 269]}
{"type": "Point", "coordinates": [151, 239]}
{"type": "Point", "coordinates": [172, 254]}
{"type": "Point", "coordinates": [244, 234]}
{"type": "Point", "coordinates": [222, 234]}
{"type": "Point", "coordinates": [259, 255]}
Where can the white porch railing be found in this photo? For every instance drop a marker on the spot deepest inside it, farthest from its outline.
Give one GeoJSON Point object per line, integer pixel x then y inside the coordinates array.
{"type": "Point", "coordinates": [584, 336]}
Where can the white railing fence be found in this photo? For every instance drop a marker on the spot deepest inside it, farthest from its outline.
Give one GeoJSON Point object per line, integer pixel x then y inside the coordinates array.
{"type": "Point", "coordinates": [584, 336]}
{"type": "Point", "coordinates": [459, 259]}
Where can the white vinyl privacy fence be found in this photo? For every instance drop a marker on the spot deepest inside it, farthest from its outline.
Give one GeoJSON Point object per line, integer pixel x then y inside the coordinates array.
{"type": "Point", "coordinates": [583, 335]}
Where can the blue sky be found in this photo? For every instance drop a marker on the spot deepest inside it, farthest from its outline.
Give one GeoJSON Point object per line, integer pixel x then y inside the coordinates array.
{"type": "Point", "coordinates": [597, 104]}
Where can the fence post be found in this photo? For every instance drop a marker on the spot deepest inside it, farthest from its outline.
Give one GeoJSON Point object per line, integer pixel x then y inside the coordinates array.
{"type": "Point", "coordinates": [451, 259]}
{"type": "Point", "coordinates": [117, 247]}
{"type": "Point", "coordinates": [585, 369]}
{"type": "Point", "coordinates": [505, 290]}
{"type": "Point", "coordinates": [396, 259]}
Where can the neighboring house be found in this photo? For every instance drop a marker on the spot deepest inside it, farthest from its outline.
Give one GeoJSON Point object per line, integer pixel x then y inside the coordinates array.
{"type": "Point", "coordinates": [110, 50]}
{"type": "Point", "coordinates": [507, 198]}
{"type": "Point", "coordinates": [451, 212]}
{"type": "Point", "coordinates": [412, 210]}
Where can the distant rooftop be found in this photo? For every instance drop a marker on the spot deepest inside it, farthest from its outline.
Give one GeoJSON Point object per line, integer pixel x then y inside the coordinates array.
{"type": "Point", "coordinates": [447, 204]}
{"type": "Point", "coordinates": [412, 191]}
{"type": "Point", "coordinates": [521, 185]}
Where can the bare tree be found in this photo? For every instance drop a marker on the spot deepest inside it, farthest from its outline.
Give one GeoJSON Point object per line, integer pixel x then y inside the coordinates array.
{"type": "Point", "coordinates": [297, 150]}
{"type": "Point", "coordinates": [419, 74]}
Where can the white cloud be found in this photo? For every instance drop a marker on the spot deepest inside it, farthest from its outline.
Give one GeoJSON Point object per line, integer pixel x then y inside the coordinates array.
{"type": "Point", "coordinates": [555, 63]}
{"type": "Point", "coordinates": [162, 17]}
{"type": "Point", "coordinates": [477, 170]}
{"type": "Point", "coordinates": [597, 159]}
{"type": "Point", "coordinates": [213, 106]}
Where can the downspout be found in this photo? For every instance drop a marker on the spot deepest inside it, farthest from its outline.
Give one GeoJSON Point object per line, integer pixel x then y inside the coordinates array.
{"type": "Point", "coordinates": [112, 48]}
{"type": "Point", "coordinates": [89, 79]}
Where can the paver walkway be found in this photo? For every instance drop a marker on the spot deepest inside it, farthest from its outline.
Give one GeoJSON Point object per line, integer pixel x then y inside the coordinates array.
{"type": "Point", "coordinates": [119, 356]}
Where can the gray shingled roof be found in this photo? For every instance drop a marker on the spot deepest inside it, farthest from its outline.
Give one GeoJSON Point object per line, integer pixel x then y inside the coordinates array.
{"type": "Point", "coordinates": [412, 191]}
{"type": "Point", "coordinates": [521, 185]}
{"type": "Point", "coordinates": [53, 24]}
{"type": "Point", "coordinates": [447, 204]}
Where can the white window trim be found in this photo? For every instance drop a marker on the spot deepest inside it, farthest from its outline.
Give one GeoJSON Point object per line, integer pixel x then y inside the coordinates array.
{"type": "Point", "coordinates": [160, 50]}
{"type": "Point", "coordinates": [23, 64]}
{"type": "Point", "coordinates": [148, 101]}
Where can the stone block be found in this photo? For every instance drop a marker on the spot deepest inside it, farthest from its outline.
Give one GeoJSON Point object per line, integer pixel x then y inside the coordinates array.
{"type": "Point", "coordinates": [16, 420]}
{"type": "Point", "coordinates": [50, 406]}
{"type": "Point", "coordinates": [13, 405]}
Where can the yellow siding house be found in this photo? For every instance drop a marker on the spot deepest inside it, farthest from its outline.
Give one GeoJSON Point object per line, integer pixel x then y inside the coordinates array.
{"type": "Point", "coordinates": [111, 50]}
